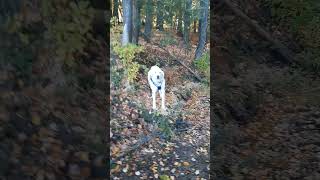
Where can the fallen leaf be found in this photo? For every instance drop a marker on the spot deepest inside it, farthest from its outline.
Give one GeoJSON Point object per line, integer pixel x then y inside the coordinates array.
{"type": "Point", "coordinates": [197, 172]}
{"type": "Point", "coordinates": [35, 119]}
{"type": "Point", "coordinates": [116, 169]}
{"type": "Point", "coordinates": [83, 156]}
{"type": "Point", "coordinates": [125, 170]}
{"type": "Point", "coordinates": [164, 177]}
{"type": "Point", "coordinates": [173, 170]}
{"type": "Point", "coordinates": [186, 163]}
{"type": "Point", "coordinates": [115, 150]}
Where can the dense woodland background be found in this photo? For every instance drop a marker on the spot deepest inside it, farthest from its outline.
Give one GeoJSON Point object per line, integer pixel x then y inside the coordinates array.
{"type": "Point", "coordinates": [175, 36]}
{"type": "Point", "coordinates": [265, 86]}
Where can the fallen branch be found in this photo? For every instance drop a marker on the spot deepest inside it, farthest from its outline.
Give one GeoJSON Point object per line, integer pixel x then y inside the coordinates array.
{"type": "Point", "coordinates": [279, 47]}
{"type": "Point", "coordinates": [135, 147]}
{"type": "Point", "coordinates": [176, 59]}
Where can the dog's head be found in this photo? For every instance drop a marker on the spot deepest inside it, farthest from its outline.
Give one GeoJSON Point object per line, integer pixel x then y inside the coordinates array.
{"type": "Point", "coordinates": [157, 74]}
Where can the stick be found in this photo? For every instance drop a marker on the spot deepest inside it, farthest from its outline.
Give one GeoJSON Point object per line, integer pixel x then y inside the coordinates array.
{"type": "Point", "coordinates": [138, 145]}
{"type": "Point", "coordinates": [281, 49]}
{"type": "Point", "coordinates": [195, 75]}
{"type": "Point", "coordinates": [175, 58]}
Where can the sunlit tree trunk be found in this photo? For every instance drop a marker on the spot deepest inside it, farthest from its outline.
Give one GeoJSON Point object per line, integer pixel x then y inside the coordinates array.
{"type": "Point", "coordinates": [127, 18]}
{"type": "Point", "coordinates": [203, 23]}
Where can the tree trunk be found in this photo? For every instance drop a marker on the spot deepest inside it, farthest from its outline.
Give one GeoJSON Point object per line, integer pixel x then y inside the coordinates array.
{"type": "Point", "coordinates": [186, 27]}
{"type": "Point", "coordinates": [127, 19]}
{"type": "Point", "coordinates": [148, 26]}
{"type": "Point", "coordinates": [135, 21]}
{"type": "Point", "coordinates": [195, 26]}
{"type": "Point", "coordinates": [179, 27]}
{"type": "Point", "coordinates": [115, 9]}
{"type": "Point", "coordinates": [203, 22]}
{"type": "Point", "coordinates": [160, 15]}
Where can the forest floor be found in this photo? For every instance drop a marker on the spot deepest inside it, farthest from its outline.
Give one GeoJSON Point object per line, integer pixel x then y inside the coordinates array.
{"type": "Point", "coordinates": [174, 145]}
{"type": "Point", "coordinates": [266, 113]}
{"type": "Point", "coordinates": [54, 132]}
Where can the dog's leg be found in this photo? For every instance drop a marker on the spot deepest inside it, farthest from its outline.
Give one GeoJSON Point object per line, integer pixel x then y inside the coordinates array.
{"type": "Point", "coordinates": [154, 105]}
{"type": "Point", "coordinates": [163, 99]}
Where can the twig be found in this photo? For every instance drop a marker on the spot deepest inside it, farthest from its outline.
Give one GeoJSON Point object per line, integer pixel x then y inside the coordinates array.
{"type": "Point", "coordinates": [138, 145]}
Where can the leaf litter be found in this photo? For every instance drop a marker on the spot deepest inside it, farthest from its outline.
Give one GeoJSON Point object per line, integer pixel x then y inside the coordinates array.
{"type": "Point", "coordinates": [142, 143]}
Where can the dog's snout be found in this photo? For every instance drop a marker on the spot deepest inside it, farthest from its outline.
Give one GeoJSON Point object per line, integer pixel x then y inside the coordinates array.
{"type": "Point", "coordinates": [157, 76]}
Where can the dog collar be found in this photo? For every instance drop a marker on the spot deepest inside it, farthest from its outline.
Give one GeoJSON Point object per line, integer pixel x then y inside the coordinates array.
{"type": "Point", "coordinates": [159, 87]}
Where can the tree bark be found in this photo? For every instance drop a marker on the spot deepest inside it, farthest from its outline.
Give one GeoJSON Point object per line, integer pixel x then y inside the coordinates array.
{"type": "Point", "coordinates": [203, 23]}
{"type": "Point", "coordinates": [115, 9]}
{"type": "Point", "coordinates": [149, 17]}
{"type": "Point", "coordinates": [186, 27]}
{"type": "Point", "coordinates": [160, 15]}
{"type": "Point", "coordinates": [135, 21]}
{"type": "Point", "coordinates": [127, 18]}
{"type": "Point", "coordinates": [179, 30]}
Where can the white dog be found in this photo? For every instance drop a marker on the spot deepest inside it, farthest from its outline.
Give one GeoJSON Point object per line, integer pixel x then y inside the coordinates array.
{"type": "Point", "coordinates": [157, 83]}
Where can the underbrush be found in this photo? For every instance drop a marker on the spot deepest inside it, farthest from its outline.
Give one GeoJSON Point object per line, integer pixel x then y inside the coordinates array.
{"type": "Point", "coordinates": [128, 67]}
{"type": "Point", "coordinates": [168, 39]}
{"type": "Point", "coordinates": [203, 65]}
{"type": "Point", "coordinates": [302, 19]}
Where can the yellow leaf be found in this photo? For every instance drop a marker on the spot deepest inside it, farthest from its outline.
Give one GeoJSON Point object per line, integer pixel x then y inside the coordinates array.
{"type": "Point", "coordinates": [115, 150]}
{"type": "Point", "coordinates": [36, 119]}
{"type": "Point", "coordinates": [177, 164]}
{"type": "Point", "coordinates": [186, 163]}
{"type": "Point", "coordinates": [84, 156]}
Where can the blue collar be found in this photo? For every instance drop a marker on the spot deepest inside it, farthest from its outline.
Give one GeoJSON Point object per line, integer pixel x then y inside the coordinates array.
{"type": "Point", "coordinates": [159, 87]}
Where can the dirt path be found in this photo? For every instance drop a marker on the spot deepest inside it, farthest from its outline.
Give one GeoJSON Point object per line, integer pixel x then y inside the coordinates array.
{"type": "Point", "coordinates": [183, 156]}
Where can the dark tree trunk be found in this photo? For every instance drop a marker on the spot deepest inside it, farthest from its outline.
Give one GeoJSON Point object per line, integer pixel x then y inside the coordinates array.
{"type": "Point", "coordinates": [127, 18]}
{"type": "Point", "coordinates": [179, 27]}
{"type": "Point", "coordinates": [136, 5]}
{"type": "Point", "coordinates": [203, 22]}
{"type": "Point", "coordinates": [115, 9]}
{"type": "Point", "coordinates": [186, 27]}
{"type": "Point", "coordinates": [160, 15]}
{"type": "Point", "coordinates": [149, 17]}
